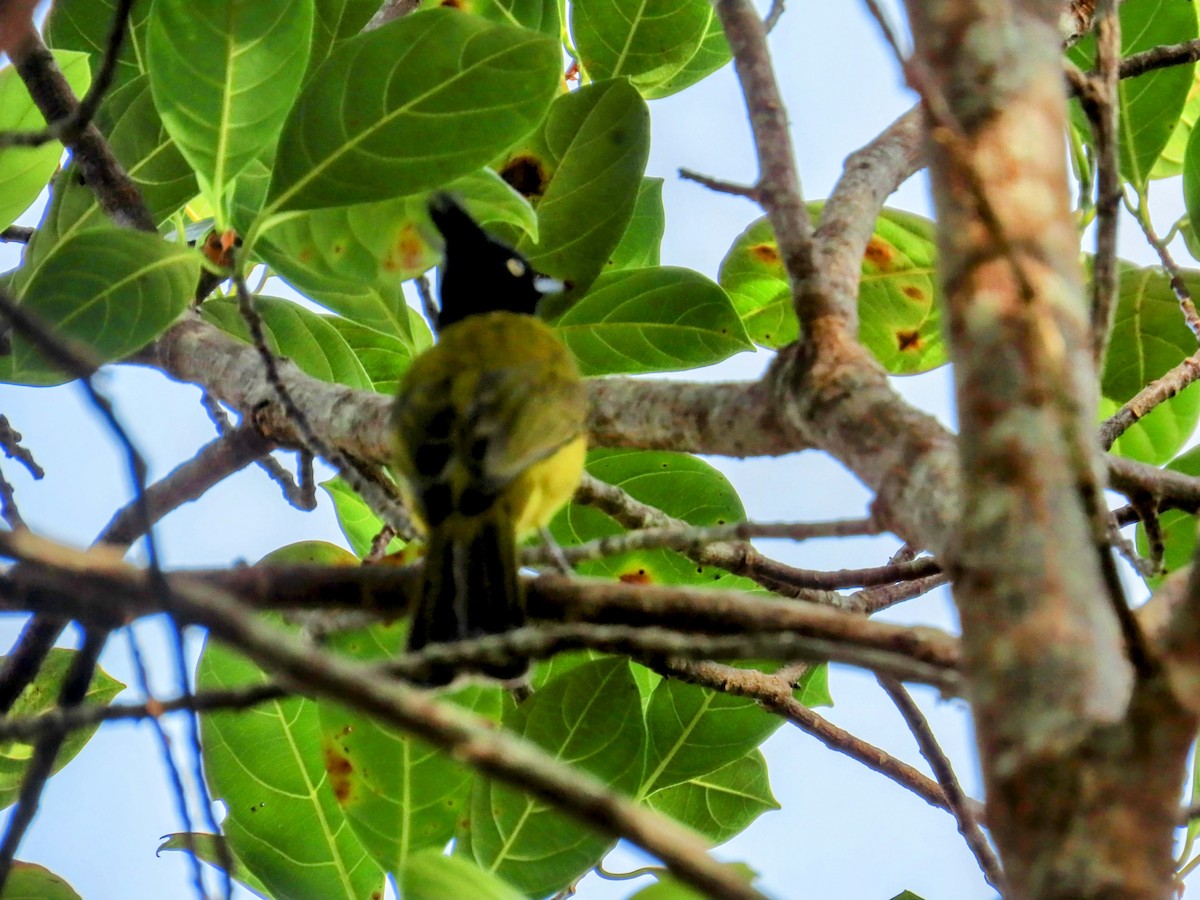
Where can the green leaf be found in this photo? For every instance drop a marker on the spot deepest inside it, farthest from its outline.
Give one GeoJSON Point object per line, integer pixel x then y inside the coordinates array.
{"type": "Point", "coordinates": [753, 274]}
{"type": "Point", "coordinates": [379, 245]}
{"type": "Point", "coordinates": [430, 875]}
{"type": "Point", "coordinates": [599, 137]}
{"type": "Point", "coordinates": [110, 290]}
{"type": "Point", "coordinates": [590, 717]}
{"type": "Point", "coordinates": [898, 299]}
{"type": "Point", "coordinates": [1149, 338]}
{"type": "Point", "coordinates": [1149, 105]}
{"type": "Point", "coordinates": [694, 731]}
{"type": "Point", "coordinates": [642, 241]}
{"type": "Point", "coordinates": [283, 818]}
{"type": "Point", "coordinates": [138, 139]}
{"type": "Point", "coordinates": [41, 696]}
{"type": "Point", "coordinates": [680, 485]}
{"type": "Point", "coordinates": [27, 881]}
{"type": "Point", "coordinates": [646, 41]}
{"type": "Point", "coordinates": [24, 171]}
{"type": "Point", "coordinates": [539, 15]}
{"type": "Point", "coordinates": [1170, 163]}
{"type": "Point", "coordinates": [814, 687]}
{"type": "Point", "coordinates": [358, 523]}
{"type": "Point", "coordinates": [436, 95]}
{"type": "Point", "coordinates": [335, 21]}
{"type": "Point", "coordinates": [384, 358]}
{"type": "Point", "coordinates": [207, 848]}
{"type": "Point", "coordinates": [224, 75]}
{"type": "Point", "coordinates": [713, 54]}
{"type": "Point", "coordinates": [306, 338]}
{"type": "Point", "coordinates": [723, 803]}
{"type": "Point", "coordinates": [651, 320]}
{"type": "Point", "coordinates": [84, 25]}
{"type": "Point", "coordinates": [400, 795]}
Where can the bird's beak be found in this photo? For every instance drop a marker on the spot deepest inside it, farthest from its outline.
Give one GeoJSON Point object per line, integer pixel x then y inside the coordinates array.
{"type": "Point", "coordinates": [546, 286]}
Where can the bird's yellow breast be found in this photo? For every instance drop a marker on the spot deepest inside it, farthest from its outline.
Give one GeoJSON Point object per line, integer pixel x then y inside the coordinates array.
{"type": "Point", "coordinates": [494, 413]}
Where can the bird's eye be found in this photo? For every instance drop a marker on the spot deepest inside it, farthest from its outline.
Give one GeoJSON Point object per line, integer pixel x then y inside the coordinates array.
{"type": "Point", "coordinates": [515, 267]}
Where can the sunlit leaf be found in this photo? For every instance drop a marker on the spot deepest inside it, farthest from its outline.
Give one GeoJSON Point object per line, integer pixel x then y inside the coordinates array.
{"type": "Point", "coordinates": [642, 241]}
{"type": "Point", "coordinates": [400, 794]}
{"type": "Point", "coordinates": [589, 717]}
{"type": "Point", "coordinates": [651, 320]}
{"type": "Point", "coordinates": [694, 731]}
{"type": "Point", "coordinates": [1150, 104]}
{"type": "Point", "coordinates": [429, 875]}
{"type": "Point", "coordinates": [27, 881]}
{"type": "Point", "coordinates": [24, 171]}
{"type": "Point", "coordinates": [306, 338]}
{"type": "Point", "coordinates": [898, 300]}
{"type": "Point", "coordinates": [1149, 338]}
{"type": "Point", "coordinates": [108, 290]}
{"type": "Point", "coordinates": [211, 849]}
{"type": "Point", "coordinates": [721, 803]}
{"type": "Point", "coordinates": [40, 696]}
{"type": "Point", "coordinates": [646, 41]}
{"type": "Point", "coordinates": [600, 139]}
{"type": "Point", "coordinates": [680, 485]}
{"type": "Point", "coordinates": [224, 75]}
{"type": "Point", "coordinates": [435, 95]}
{"type": "Point", "coordinates": [266, 764]}
{"type": "Point", "coordinates": [84, 25]}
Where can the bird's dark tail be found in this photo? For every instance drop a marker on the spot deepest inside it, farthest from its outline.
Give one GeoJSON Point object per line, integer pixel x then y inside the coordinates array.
{"type": "Point", "coordinates": [470, 589]}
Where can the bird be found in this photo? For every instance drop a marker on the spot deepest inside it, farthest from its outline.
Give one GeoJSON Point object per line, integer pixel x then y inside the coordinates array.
{"type": "Point", "coordinates": [490, 439]}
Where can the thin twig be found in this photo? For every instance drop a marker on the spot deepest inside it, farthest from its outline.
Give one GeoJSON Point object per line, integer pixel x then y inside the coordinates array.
{"type": "Point", "coordinates": [778, 186]}
{"type": "Point", "coordinates": [64, 721]}
{"type": "Point", "coordinates": [774, 14]}
{"type": "Point", "coordinates": [1174, 273]}
{"type": "Point", "coordinates": [722, 187]}
{"type": "Point", "coordinates": [8, 505]}
{"type": "Point", "coordinates": [117, 193]}
{"type": "Point", "coordinates": [380, 501]}
{"type": "Point", "coordinates": [956, 798]}
{"type": "Point", "coordinates": [212, 464]}
{"type": "Point", "coordinates": [10, 443]}
{"type": "Point", "coordinates": [739, 557]}
{"type": "Point", "coordinates": [1103, 117]}
{"type": "Point", "coordinates": [1160, 58]}
{"type": "Point", "coordinates": [17, 234]}
{"type": "Point", "coordinates": [694, 538]}
{"type": "Point", "coordinates": [774, 694]}
{"type": "Point", "coordinates": [1148, 398]}
{"type": "Point", "coordinates": [178, 792]}
{"type": "Point", "coordinates": [69, 128]}
{"type": "Point", "coordinates": [45, 752]}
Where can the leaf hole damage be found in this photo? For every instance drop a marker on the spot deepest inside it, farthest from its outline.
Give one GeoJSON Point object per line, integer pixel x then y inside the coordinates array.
{"type": "Point", "coordinates": [526, 175]}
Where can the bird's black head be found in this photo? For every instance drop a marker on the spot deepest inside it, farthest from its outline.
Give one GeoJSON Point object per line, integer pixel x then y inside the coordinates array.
{"type": "Point", "coordinates": [481, 274]}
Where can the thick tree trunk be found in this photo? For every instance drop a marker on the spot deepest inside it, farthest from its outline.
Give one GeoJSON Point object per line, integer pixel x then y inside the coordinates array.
{"type": "Point", "coordinates": [1082, 750]}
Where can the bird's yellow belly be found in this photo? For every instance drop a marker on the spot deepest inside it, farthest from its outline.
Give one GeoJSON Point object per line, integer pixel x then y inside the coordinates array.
{"type": "Point", "coordinates": [544, 487]}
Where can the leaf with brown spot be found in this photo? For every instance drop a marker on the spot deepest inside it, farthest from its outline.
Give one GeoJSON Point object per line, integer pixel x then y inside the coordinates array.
{"type": "Point", "coordinates": [268, 766]}
{"type": "Point", "coordinates": [404, 794]}
{"type": "Point", "coordinates": [898, 300]}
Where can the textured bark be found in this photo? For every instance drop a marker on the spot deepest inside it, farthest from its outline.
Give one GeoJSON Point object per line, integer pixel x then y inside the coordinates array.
{"type": "Point", "coordinates": [1083, 763]}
